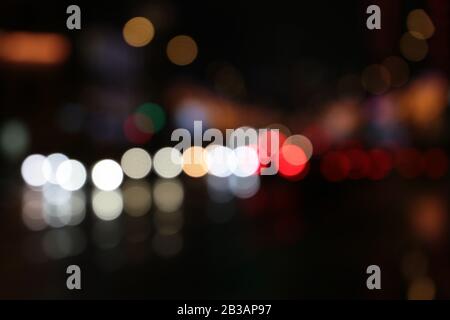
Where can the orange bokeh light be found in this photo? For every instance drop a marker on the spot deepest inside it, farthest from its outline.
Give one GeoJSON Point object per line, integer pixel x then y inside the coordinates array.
{"type": "Point", "coordinates": [33, 48]}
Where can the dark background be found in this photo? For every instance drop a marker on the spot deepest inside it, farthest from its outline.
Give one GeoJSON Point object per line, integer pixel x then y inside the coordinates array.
{"type": "Point", "coordinates": [305, 239]}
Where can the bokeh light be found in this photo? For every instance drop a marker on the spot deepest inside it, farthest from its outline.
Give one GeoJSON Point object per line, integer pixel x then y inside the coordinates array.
{"type": "Point", "coordinates": [168, 195]}
{"type": "Point", "coordinates": [360, 164]}
{"type": "Point", "coordinates": [54, 194]}
{"type": "Point", "coordinates": [375, 122]}
{"type": "Point", "coordinates": [428, 218]}
{"type": "Point", "coordinates": [409, 163]}
{"type": "Point", "coordinates": [424, 102]}
{"type": "Point", "coordinates": [51, 164]}
{"type": "Point", "coordinates": [137, 198]}
{"type": "Point", "coordinates": [168, 162]}
{"type": "Point", "coordinates": [154, 117]}
{"type": "Point", "coordinates": [381, 164]}
{"type": "Point", "coordinates": [244, 187]}
{"type": "Point", "coordinates": [292, 160]}
{"type": "Point", "coordinates": [302, 142]}
{"type": "Point", "coordinates": [71, 175]}
{"type": "Point", "coordinates": [14, 139]}
{"type": "Point", "coordinates": [63, 208]}
{"type": "Point", "coordinates": [340, 120]}
{"type": "Point", "coordinates": [148, 119]}
{"type": "Point", "coordinates": [195, 162]}
{"type": "Point", "coordinates": [63, 243]}
{"type": "Point", "coordinates": [422, 288]}
{"type": "Point", "coordinates": [54, 216]}
{"type": "Point", "coordinates": [138, 32]}
{"type": "Point", "coordinates": [107, 205]}
{"type": "Point", "coordinates": [132, 129]}
{"type": "Point", "coordinates": [32, 172]}
{"type": "Point", "coordinates": [136, 163]}
{"type": "Point", "coordinates": [33, 48]}
{"type": "Point", "coordinates": [182, 50]}
{"type": "Point", "coordinates": [247, 161]}
{"type": "Point", "coordinates": [32, 210]}
{"type": "Point", "coordinates": [218, 189]}
{"type": "Point", "coordinates": [77, 207]}
{"type": "Point", "coordinates": [412, 48]}
{"type": "Point", "coordinates": [107, 175]}
{"type": "Point", "coordinates": [420, 25]}
{"type": "Point", "coordinates": [221, 160]}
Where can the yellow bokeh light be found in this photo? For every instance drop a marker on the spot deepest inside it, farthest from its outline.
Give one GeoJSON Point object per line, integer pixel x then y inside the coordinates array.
{"type": "Point", "coordinates": [419, 24]}
{"type": "Point", "coordinates": [195, 162]}
{"type": "Point", "coordinates": [182, 50]}
{"type": "Point", "coordinates": [138, 32]}
{"type": "Point", "coordinates": [412, 48]}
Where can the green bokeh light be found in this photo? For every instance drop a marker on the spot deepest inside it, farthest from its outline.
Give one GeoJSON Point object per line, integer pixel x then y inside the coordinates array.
{"type": "Point", "coordinates": [155, 113]}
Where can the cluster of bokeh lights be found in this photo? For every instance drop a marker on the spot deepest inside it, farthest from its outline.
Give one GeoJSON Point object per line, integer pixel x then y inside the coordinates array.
{"type": "Point", "coordinates": [181, 50]}
{"type": "Point", "coordinates": [136, 163]}
{"type": "Point", "coordinates": [57, 169]}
